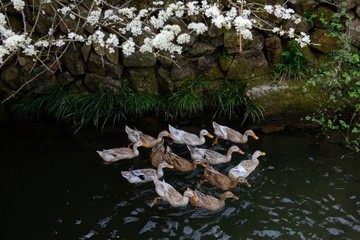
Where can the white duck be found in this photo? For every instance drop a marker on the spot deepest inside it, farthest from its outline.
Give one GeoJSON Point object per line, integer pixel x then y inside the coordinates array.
{"type": "Point", "coordinates": [145, 175]}
{"type": "Point", "coordinates": [170, 194]}
{"type": "Point", "coordinates": [135, 135]}
{"type": "Point", "coordinates": [230, 134]}
{"type": "Point", "coordinates": [211, 156]}
{"type": "Point", "coordinates": [183, 137]}
{"type": "Point", "coordinates": [116, 154]}
{"type": "Point", "coordinates": [245, 167]}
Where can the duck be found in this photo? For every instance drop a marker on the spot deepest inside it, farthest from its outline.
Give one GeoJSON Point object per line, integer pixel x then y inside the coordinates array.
{"type": "Point", "coordinates": [181, 163]}
{"type": "Point", "coordinates": [245, 167]}
{"type": "Point", "coordinates": [211, 156]}
{"type": "Point", "coordinates": [116, 154]}
{"type": "Point", "coordinates": [183, 137]}
{"type": "Point", "coordinates": [135, 135]}
{"type": "Point", "coordinates": [168, 193]}
{"type": "Point", "coordinates": [230, 134]}
{"type": "Point", "coordinates": [144, 175]}
{"type": "Point", "coordinates": [220, 180]}
{"type": "Point", "coordinates": [157, 154]}
{"type": "Point", "coordinates": [209, 202]}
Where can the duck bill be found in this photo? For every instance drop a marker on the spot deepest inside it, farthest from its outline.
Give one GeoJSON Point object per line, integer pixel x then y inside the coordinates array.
{"type": "Point", "coordinates": [170, 166]}
{"type": "Point", "coordinates": [209, 135]}
{"type": "Point", "coordinates": [241, 152]}
{"type": "Point", "coordinates": [170, 136]}
{"type": "Point", "coordinates": [202, 164]}
{"type": "Point", "coordinates": [194, 198]}
{"type": "Point", "coordinates": [247, 183]}
{"type": "Point", "coordinates": [255, 137]}
{"type": "Point", "coordinates": [263, 154]}
{"type": "Point", "coordinates": [144, 145]}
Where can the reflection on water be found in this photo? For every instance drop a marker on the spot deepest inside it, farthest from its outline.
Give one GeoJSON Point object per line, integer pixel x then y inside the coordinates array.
{"type": "Point", "coordinates": [57, 187]}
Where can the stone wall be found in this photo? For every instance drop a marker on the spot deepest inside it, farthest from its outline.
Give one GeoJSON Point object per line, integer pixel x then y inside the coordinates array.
{"type": "Point", "coordinates": [214, 56]}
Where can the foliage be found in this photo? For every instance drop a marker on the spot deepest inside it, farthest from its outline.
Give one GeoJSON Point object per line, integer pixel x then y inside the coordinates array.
{"type": "Point", "coordinates": [340, 78]}
{"type": "Point", "coordinates": [294, 64]}
{"type": "Point", "coordinates": [194, 97]}
{"type": "Point", "coordinates": [188, 100]}
{"type": "Point", "coordinates": [228, 98]}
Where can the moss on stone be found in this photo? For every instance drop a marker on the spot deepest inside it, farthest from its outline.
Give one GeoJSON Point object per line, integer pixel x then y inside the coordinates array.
{"type": "Point", "coordinates": [286, 99]}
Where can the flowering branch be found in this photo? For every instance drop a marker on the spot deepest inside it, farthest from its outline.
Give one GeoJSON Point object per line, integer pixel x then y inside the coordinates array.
{"type": "Point", "coordinates": [150, 29]}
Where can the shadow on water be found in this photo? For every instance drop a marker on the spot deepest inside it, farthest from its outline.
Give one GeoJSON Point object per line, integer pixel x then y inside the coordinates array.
{"type": "Point", "coordinates": [55, 186]}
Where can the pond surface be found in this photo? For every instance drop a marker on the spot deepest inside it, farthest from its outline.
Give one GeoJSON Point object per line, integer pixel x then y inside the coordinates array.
{"type": "Point", "coordinates": [55, 186]}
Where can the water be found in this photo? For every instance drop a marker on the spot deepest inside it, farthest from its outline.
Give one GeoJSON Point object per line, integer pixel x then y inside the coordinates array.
{"type": "Point", "coordinates": [55, 186]}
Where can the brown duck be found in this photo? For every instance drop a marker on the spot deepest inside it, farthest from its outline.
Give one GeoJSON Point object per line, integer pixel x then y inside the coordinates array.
{"type": "Point", "coordinates": [181, 163]}
{"type": "Point", "coordinates": [157, 154]}
{"type": "Point", "coordinates": [220, 180]}
{"type": "Point", "coordinates": [209, 202]}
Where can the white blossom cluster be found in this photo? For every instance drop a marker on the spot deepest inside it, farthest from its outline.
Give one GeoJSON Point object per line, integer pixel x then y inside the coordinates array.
{"type": "Point", "coordinates": [18, 4]}
{"type": "Point", "coordinates": [156, 25]}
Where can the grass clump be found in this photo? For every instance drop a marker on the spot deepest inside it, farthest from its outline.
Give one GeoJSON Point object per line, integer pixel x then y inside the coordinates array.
{"type": "Point", "coordinates": [188, 100]}
{"type": "Point", "coordinates": [294, 64]}
{"type": "Point", "coordinates": [194, 97]}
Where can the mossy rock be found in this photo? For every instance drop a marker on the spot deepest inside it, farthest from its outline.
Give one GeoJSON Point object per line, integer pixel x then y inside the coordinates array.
{"type": "Point", "coordinates": [286, 99]}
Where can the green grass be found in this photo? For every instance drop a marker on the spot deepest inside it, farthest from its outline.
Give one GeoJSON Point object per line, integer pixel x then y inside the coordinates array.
{"type": "Point", "coordinates": [194, 97]}
{"type": "Point", "coordinates": [294, 65]}
{"type": "Point", "coordinates": [229, 99]}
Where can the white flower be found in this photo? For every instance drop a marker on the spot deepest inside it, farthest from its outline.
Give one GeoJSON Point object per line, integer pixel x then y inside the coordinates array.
{"type": "Point", "coordinates": [112, 40]}
{"type": "Point", "coordinates": [232, 13]}
{"type": "Point", "coordinates": [158, 3]}
{"type": "Point", "coordinates": [98, 2]}
{"type": "Point", "coordinates": [127, 12]}
{"type": "Point", "coordinates": [6, 32]}
{"type": "Point", "coordinates": [59, 43]}
{"type": "Point", "coordinates": [93, 17]}
{"type": "Point", "coordinates": [3, 52]}
{"type": "Point", "coordinates": [213, 11]}
{"type": "Point", "coordinates": [297, 20]}
{"type": "Point", "coordinates": [291, 32]}
{"type": "Point", "coordinates": [303, 40]}
{"type": "Point", "coordinates": [135, 27]}
{"type": "Point", "coordinates": [64, 10]}
{"type": "Point", "coordinates": [76, 37]}
{"type": "Point", "coordinates": [199, 28]}
{"type": "Point", "coordinates": [193, 9]}
{"type": "Point", "coordinates": [163, 40]}
{"type": "Point", "coordinates": [246, 34]}
{"type": "Point", "coordinates": [42, 43]}
{"type": "Point", "coordinates": [29, 50]}
{"type": "Point", "coordinates": [268, 9]}
{"type": "Point", "coordinates": [2, 20]}
{"type": "Point", "coordinates": [147, 46]}
{"type": "Point", "coordinates": [242, 26]}
{"type": "Point", "coordinates": [219, 21]}
{"type": "Point", "coordinates": [246, 13]}
{"type": "Point", "coordinates": [156, 22]}
{"type": "Point", "coordinates": [18, 4]}
{"type": "Point", "coordinates": [183, 38]}
{"type": "Point", "coordinates": [173, 28]}
{"type": "Point", "coordinates": [128, 47]}
{"type": "Point", "coordinates": [12, 43]}
{"type": "Point", "coordinates": [276, 29]}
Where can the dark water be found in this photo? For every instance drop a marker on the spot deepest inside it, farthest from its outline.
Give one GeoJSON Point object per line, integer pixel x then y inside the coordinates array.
{"type": "Point", "coordinates": [55, 186]}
